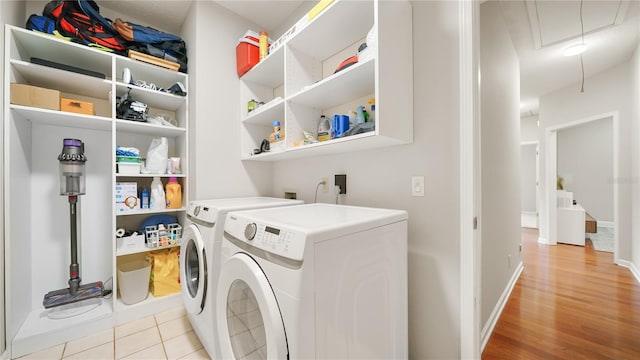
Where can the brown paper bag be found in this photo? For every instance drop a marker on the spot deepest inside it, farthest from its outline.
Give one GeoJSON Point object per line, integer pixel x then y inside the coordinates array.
{"type": "Point", "coordinates": [165, 271]}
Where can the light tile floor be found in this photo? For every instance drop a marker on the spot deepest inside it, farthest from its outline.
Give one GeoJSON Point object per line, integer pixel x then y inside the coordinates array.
{"type": "Point", "coordinates": [167, 335]}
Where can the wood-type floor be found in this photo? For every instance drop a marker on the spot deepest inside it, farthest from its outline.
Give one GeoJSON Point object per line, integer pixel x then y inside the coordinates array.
{"type": "Point", "coordinates": [571, 302]}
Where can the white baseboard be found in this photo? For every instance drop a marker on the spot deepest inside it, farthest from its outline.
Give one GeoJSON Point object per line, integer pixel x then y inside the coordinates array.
{"type": "Point", "coordinates": [632, 267]}
{"type": "Point", "coordinates": [542, 240]}
{"type": "Point", "coordinates": [487, 330]}
{"type": "Point", "coordinates": [607, 224]}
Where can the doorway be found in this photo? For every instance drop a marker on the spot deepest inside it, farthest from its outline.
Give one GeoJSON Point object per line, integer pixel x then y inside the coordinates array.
{"type": "Point", "coordinates": [529, 175]}
{"type": "Point", "coordinates": [551, 160]}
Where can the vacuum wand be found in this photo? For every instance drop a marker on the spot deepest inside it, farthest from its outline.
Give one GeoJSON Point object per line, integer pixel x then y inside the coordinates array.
{"type": "Point", "coordinates": [74, 268]}
{"type": "Point", "coordinates": [72, 184]}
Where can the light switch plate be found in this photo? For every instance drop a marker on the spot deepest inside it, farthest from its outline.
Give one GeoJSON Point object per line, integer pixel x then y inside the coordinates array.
{"type": "Point", "coordinates": [417, 186]}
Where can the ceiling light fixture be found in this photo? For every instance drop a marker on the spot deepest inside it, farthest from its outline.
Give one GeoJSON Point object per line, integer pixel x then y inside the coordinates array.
{"type": "Point", "coordinates": [575, 49]}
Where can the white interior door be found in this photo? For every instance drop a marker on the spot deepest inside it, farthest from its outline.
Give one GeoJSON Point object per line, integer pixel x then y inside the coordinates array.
{"type": "Point", "coordinates": [251, 325]}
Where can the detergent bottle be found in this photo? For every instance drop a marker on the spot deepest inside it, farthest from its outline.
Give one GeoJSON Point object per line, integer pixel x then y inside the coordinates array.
{"type": "Point", "coordinates": [174, 194]}
{"type": "Point", "coordinates": [157, 200]}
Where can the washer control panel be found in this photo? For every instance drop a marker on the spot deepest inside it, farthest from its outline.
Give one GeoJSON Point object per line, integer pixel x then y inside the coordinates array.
{"type": "Point", "coordinates": [202, 212]}
{"type": "Point", "coordinates": [272, 239]}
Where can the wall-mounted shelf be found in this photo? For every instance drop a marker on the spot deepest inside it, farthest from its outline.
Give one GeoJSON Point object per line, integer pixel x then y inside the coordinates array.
{"type": "Point", "coordinates": [304, 66]}
{"type": "Point", "coordinates": [148, 129]}
{"type": "Point", "coordinates": [123, 252]}
{"type": "Point", "coordinates": [60, 118]}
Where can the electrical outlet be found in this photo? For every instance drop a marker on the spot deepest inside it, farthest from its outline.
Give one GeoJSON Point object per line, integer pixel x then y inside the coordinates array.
{"type": "Point", "coordinates": [509, 261]}
{"type": "Point", "coordinates": [417, 186]}
{"type": "Point", "coordinates": [341, 182]}
{"type": "Point", "coordinates": [290, 195]}
{"type": "Point", "coordinates": [325, 186]}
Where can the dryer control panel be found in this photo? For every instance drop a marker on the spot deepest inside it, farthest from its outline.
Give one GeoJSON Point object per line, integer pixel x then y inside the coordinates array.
{"type": "Point", "coordinates": [283, 242]}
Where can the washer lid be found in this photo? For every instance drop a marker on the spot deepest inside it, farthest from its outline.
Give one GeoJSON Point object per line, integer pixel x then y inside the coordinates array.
{"type": "Point", "coordinates": [318, 222]}
{"type": "Point", "coordinates": [206, 211]}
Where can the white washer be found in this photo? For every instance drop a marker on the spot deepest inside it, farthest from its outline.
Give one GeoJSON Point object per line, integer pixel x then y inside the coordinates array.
{"type": "Point", "coordinates": [314, 281]}
{"type": "Point", "coordinates": [200, 260]}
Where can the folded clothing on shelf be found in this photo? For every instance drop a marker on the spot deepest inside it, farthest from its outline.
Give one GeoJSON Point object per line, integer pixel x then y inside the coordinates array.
{"type": "Point", "coordinates": [127, 151]}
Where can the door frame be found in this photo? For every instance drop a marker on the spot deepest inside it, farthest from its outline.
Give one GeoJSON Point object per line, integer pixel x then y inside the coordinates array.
{"type": "Point", "coordinates": [469, 180]}
{"type": "Point", "coordinates": [551, 157]}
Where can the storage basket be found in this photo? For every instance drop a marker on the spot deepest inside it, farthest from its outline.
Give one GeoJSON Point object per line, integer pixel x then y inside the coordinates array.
{"type": "Point", "coordinates": [158, 237]}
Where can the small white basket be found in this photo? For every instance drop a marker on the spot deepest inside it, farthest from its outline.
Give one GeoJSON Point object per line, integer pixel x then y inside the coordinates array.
{"type": "Point", "coordinates": [160, 237]}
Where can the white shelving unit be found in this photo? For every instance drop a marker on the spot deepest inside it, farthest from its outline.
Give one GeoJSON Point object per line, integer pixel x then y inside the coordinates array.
{"type": "Point", "coordinates": [297, 81]}
{"type": "Point", "coordinates": [36, 232]}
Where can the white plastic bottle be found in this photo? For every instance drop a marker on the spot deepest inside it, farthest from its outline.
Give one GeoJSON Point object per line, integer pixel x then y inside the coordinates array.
{"type": "Point", "coordinates": [158, 200]}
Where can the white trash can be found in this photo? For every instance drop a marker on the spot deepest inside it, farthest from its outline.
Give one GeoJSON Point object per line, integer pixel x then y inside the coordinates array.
{"type": "Point", "coordinates": [133, 281]}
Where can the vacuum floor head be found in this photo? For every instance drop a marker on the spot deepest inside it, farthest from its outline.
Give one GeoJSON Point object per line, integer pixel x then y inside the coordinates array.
{"type": "Point", "coordinates": [63, 296]}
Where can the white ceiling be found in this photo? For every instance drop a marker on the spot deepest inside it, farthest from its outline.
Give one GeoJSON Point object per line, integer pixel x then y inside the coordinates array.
{"type": "Point", "coordinates": [266, 13]}
{"type": "Point", "coordinates": [172, 13]}
{"type": "Point", "coordinates": [539, 29]}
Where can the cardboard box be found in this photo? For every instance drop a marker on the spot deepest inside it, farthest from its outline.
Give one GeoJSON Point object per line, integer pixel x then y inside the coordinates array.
{"type": "Point", "coordinates": [129, 204]}
{"type": "Point", "coordinates": [77, 106]}
{"type": "Point", "coordinates": [27, 95]}
{"type": "Point", "coordinates": [126, 189]}
{"type": "Point", "coordinates": [127, 197]}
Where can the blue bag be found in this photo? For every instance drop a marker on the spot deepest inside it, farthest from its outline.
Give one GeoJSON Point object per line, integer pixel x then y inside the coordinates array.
{"type": "Point", "coordinates": [41, 23]}
{"type": "Point", "coordinates": [142, 34]}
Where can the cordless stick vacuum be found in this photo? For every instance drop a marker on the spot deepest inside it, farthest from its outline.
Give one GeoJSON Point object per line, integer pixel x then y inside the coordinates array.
{"type": "Point", "coordinates": [72, 184]}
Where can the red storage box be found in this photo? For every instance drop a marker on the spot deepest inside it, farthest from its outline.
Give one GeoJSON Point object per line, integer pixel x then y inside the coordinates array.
{"type": "Point", "coordinates": [248, 51]}
{"type": "Point", "coordinates": [252, 35]}
{"type": "Point", "coordinates": [247, 55]}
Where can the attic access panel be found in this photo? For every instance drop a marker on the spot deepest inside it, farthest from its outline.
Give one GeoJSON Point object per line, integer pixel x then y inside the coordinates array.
{"type": "Point", "coordinates": [553, 22]}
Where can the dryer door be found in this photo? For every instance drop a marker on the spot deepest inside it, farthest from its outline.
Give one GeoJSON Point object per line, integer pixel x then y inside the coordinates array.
{"type": "Point", "coordinates": [193, 270]}
{"type": "Point", "coordinates": [251, 325]}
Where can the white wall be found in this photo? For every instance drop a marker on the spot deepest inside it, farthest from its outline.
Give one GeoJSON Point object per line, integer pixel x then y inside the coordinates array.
{"type": "Point", "coordinates": [214, 109]}
{"type": "Point", "coordinates": [11, 12]}
{"type": "Point", "coordinates": [382, 178]}
{"type": "Point", "coordinates": [529, 129]}
{"type": "Point", "coordinates": [635, 238]}
{"type": "Point", "coordinates": [500, 162]}
{"type": "Point", "coordinates": [604, 92]}
{"type": "Point", "coordinates": [528, 177]}
{"type": "Point", "coordinates": [585, 162]}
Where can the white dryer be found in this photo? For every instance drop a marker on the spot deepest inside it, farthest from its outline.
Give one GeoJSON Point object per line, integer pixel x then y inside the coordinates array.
{"type": "Point", "coordinates": [314, 281]}
{"type": "Point", "coordinates": [200, 259]}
